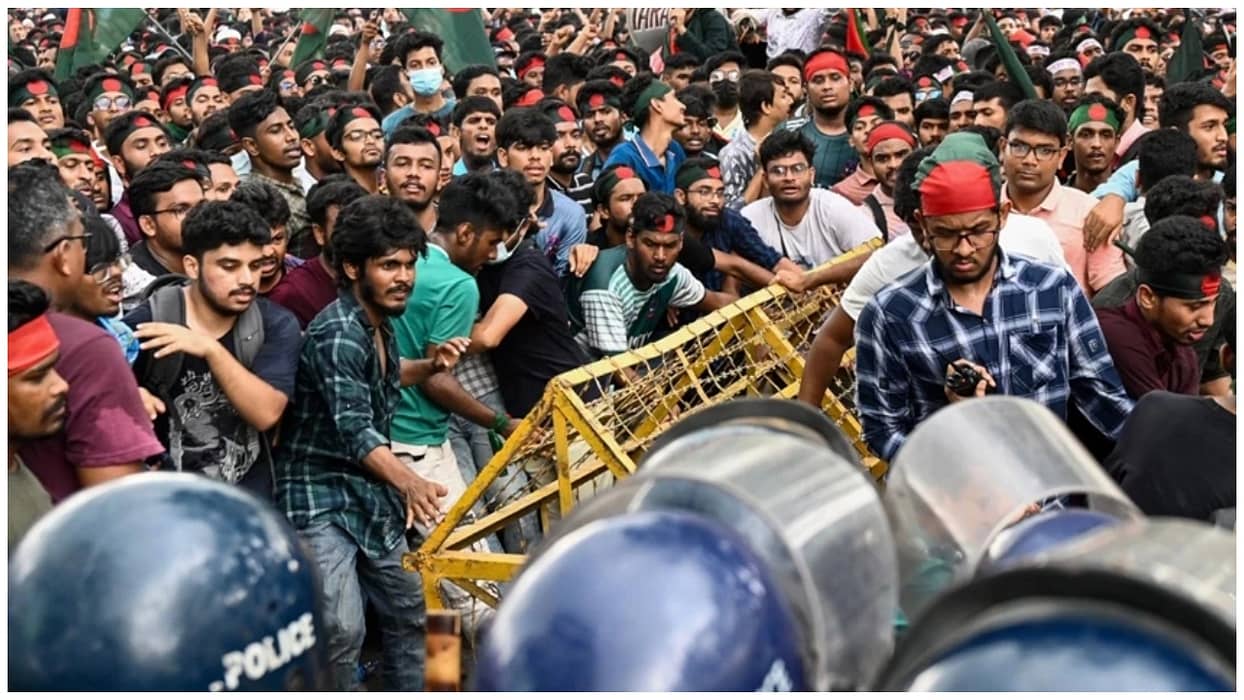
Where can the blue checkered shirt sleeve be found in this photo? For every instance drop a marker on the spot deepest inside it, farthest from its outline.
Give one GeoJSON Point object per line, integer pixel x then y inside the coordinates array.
{"type": "Point", "coordinates": [882, 383]}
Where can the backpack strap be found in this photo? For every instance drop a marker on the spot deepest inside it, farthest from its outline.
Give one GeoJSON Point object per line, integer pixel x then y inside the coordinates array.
{"type": "Point", "coordinates": [248, 335]}
{"type": "Point", "coordinates": [168, 305]}
{"type": "Point", "coordinates": [878, 216]}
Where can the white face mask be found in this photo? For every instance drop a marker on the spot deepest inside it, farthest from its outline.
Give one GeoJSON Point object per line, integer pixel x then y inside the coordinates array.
{"type": "Point", "coordinates": [503, 254]}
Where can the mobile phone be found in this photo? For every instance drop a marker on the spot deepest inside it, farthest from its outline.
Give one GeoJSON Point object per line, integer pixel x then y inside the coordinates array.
{"type": "Point", "coordinates": [963, 379]}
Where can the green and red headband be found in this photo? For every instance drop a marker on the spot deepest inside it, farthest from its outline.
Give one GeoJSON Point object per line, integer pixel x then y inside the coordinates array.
{"type": "Point", "coordinates": [596, 100]}
{"type": "Point", "coordinates": [689, 174]}
{"type": "Point", "coordinates": [1092, 112]}
{"type": "Point", "coordinates": [109, 84]}
{"type": "Point", "coordinates": [1138, 32]}
{"type": "Point", "coordinates": [960, 176]}
{"type": "Point", "coordinates": [31, 90]}
{"type": "Point", "coordinates": [70, 143]}
{"type": "Point", "coordinates": [609, 180]}
{"type": "Point", "coordinates": [199, 84]}
{"type": "Point", "coordinates": [314, 126]}
{"type": "Point", "coordinates": [173, 95]}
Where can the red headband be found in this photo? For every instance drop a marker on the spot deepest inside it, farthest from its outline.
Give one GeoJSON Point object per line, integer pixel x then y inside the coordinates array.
{"type": "Point", "coordinates": [624, 173]}
{"type": "Point", "coordinates": [826, 60]}
{"type": "Point", "coordinates": [360, 113]}
{"type": "Point", "coordinates": [565, 114]}
{"type": "Point", "coordinates": [255, 79]}
{"type": "Point", "coordinates": [433, 128]}
{"type": "Point", "coordinates": [1142, 32]}
{"type": "Point", "coordinates": [1209, 222]}
{"type": "Point", "coordinates": [595, 101]}
{"type": "Point", "coordinates": [30, 344]}
{"type": "Point", "coordinates": [865, 111]}
{"type": "Point", "coordinates": [666, 224]}
{"type": "Point", "coordinates": [111, 85]}
{"type": "Point", "coordinates": [1209, 287]}
{"type": "Point", "coordinates": [38, 87]}
{"type": "Point", "coordinates": [141, 121]}
{"type": "Point", "coordinates": [617, 80]}
{"type": "Point", "coordinates": [956, 187]}
{"type": "Point", "coordinates": [505, 34]}
{"type": "Point", "coordinates": [534, 63]}
{"type": "Point", "coordinates": [530, 97]}
{"type": "Point", "coordinates": [886, 132]}
{"type": "Point", "coordinates": [713, 172]}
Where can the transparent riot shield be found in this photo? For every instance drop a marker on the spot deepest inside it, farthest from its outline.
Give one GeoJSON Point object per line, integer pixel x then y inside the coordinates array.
{"type": "Point", "coordinates": [970, 471]}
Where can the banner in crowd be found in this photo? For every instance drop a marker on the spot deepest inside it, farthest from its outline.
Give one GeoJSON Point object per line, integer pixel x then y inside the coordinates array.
{"type": "Point", "coordinates": [649, 26]}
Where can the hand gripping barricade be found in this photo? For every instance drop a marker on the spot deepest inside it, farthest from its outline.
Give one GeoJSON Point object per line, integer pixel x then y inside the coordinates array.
{"type": "Point", "coordinates": [1143, 605]}
{"type": "Point", "coordinates": [970, 473]}
{"type": "Point", "coordinates": [165, 582]}
{"type": "Point", "coordinates": [749, 552]}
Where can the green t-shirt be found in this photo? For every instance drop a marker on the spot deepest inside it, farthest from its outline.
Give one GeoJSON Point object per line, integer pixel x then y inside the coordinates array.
{"type": "Point", "coordinates": [834, 154]}
{"type": "Point", "coordinates": [28, 501]}
{"type": "Point", "coordinates": [442, 305]}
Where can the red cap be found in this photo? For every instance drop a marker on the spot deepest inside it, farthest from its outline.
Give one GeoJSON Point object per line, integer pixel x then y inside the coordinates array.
{"type": "Point", "coordinates": [955, 187]}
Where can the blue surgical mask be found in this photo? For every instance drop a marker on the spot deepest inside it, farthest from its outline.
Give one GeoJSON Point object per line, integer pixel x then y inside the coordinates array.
{"type": "Point", "coordinates": [425, 82]}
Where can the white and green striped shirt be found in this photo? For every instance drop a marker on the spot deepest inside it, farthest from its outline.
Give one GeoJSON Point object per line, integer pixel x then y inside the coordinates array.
{"type": "Point", "coordinates": [610, 314]}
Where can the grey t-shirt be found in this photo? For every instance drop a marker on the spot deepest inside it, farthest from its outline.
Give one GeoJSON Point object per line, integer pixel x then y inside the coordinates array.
{"type": "Point", "coordinates": [28, 501]}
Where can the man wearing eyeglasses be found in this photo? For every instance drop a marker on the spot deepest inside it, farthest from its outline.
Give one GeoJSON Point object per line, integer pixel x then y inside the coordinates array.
{"type": "Point", "coordinates": [162, 195]}
{"type": "Point", "coordinates": [357, 144]}
{"type": "Point", "coordinates": [1036, 142]}
{"type": "Point", "coordinates": [1023, 326]}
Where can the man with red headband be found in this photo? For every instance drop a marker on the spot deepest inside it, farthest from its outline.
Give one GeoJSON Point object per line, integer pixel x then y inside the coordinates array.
{"type": "Point", "coordinates": [1179, 270]}
{"type": "Point", "coordinates": [37, 400]}
{"type": "Point", "coordinates": [829, 92]}
{"type": "Point", "coordinates": [976, 315]}
{"type": "Point", "coordinates": [888, 144]}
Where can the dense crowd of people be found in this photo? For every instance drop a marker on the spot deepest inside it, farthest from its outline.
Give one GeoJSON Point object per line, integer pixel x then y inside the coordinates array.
{"type": "Point", "coordinates": [340, 284]}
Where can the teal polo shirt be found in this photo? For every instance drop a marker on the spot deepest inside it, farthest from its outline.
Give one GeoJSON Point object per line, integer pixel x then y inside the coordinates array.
{"type": "Point", "coordinates": [442, 305]}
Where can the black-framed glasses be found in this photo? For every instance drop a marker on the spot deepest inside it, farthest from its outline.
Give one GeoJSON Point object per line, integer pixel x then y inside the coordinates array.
{"type": "Point", "coordinates": [948, 242]}
{"type": "Point", "coordinates": [358, 135]}
{"type": "Point", "coordinates": [178, 211]}
{"type": "Point", "coordinates": [317, 80]}
{"type": "Point", "coordinates": [82, 237]}
{"type": "Point", "coordinates": [1019, 149]}
{"type": "Point", "coordinates": [102, 272]}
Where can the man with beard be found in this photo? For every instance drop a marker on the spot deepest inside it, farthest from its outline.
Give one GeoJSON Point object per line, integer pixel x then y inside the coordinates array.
{"type": "Point", "coordinates": [34, 91]}
{"type": "Point", "coordinates": [267, 202]}
{"type": "Point", "coordinates": [357, 143]}
{"type": "Point", "coordinates": [1138, 37]}
{"type": "Point", "coordinates": [108, 431]}
{"type": "Point", "coordinates": [134, 140]}
{"type": "Point", "coordinates": [37, 400]}
{"type": "Point", "coordinates": [628, 290]}
{"type": "Point", "coordinates": [1023, 327]}
{"type": "Point", "coordinates": [220, 357]}
{"type": "Point", "coordinates": [474, 124]}
{"type": "Point", "coordinates": [724, 71]}
{"type": "Point", "coordinates": [310, 287]}
{"type": "Point", "coordinates": [1067, 75]}
{"type": "Point", "coordinates": [652, 153]}
{"type": "Point", "coordinates": [317, 156]}
{"type": "Point", "coordinates": [274, 148]}
{"type": "Point", "coordinates": [162, 195]}
{"type": "Point", "coordinates": [829, 92]}
{"type": "Point", "coordinates": [862, 115]}
{"type": "Point", "coordinates": [412, 166]}
{"type": "Point", "coordinates": [765, 104]}
{"type": "Point", "coordinates": [109, 96]}
{"type": "Point", "coordinates": [205, 98]}
{"type": "Point", "coordinates": [1093, 126]}
{"type": "Point", "coordinates": [888, 144]}
{"type": "Point", "coordinates": [600, 106]}
{"type": "Point", "coordinates": [564, 175]}
{"type": "Point", "coordinates": [1179, 270]}
{"type": "Point", "coordinates": [1036, 141]}
{"type": "Point", "coordinates": [525, 139]}
{"type": "Point", "coordinates": [809, 226]}
{"type": "Point", "coordinates": [614, 194]}
{"type": "Point", "coordinates": [74, 159]}
{"type": "Point", "coordinates": [337, 479]}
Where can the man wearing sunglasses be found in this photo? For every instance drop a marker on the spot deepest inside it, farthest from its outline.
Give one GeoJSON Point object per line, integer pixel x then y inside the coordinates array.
{"type": "Point", "coordinates": [108, 432]}
{"type": "Point", "coordinates": [1024, 327]}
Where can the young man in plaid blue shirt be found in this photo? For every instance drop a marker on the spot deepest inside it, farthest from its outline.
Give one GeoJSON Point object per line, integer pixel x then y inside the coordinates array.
{"type": "Point", "coordinates": [1024, 326]}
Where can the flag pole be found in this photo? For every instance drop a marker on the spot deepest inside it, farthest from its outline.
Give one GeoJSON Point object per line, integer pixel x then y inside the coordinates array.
{"type": "Point", "coordinates": [171, 41]}
{"type": "Point", "coordinates": [297, 31]}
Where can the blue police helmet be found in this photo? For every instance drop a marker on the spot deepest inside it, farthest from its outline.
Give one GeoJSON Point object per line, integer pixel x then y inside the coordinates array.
{"type": "Point", "coordinates": [166, 582]}
{"type": "Point", "coordinates": [651, 601]}
{"type": "Point", "coordinates": [1042, 533]}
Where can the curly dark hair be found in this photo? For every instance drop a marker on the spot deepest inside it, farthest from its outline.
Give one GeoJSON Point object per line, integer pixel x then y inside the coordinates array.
{"type": "Point", "coordinates": [249, 111]}
{"type": "Point", "coordinates": [1180, 244]}
{"type": "Point", "coordinates": [484, 200]}
{"type": "Point", "coordinates": [371, 227]}
{"type": "Point", "coordinates": [785, 142]}
{"type": "Point", "coordinates": [211, 225]}
{"type": "Point", "coordinates": [265, 200]}
{"type": "Point", "coordinates": [906, 198]}
{"type": "Point", "coordinates": [1181, 195]}
{"type": "Point", "coordinates": [1178, 102]}
{"type": "Point", "coordinates": [26, 303]}
{"type": "Point", "coordinates": [652, 207]}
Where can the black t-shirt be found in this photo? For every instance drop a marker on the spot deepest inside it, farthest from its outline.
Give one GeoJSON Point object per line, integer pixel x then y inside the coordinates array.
{"type": "Point", "coordinates": [200, 428]}
{"type": "Point", "coordinates": [1176, 456]}
{"type": "Point", "coordinates": [142, 257]}
{"type": "Point", "coordinates": [540, 346]}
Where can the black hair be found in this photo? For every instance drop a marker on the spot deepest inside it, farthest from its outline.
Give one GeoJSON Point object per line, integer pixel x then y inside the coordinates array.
{"type": "Point", "coordinates": [234, 72]}
{"type": "Point", "coordinates": [1041, 116]}
{"type": "Point", "coordinates": [756, 89]}
{"type": "Point", "coordinates": [526, 57]}
{"type": "Point", "coordinates": [335, 190]}
{"type": "Point", "coordinates": [471, 105]}
{"type": "Point", "coordinates": [718, 59]}
{"type": "Point", "coordinates": [194, 156]}
{"type": "Point", "coordinates": [933, 42]}
{"type": "Point", "coordinates": [526, 126]}
{"type": "Point", "coordinates": [883, 109]}
{"type": "Point", "coordinates": [1154, 80]}
{"type": "Point", "coordinates": [895, 85]}
{"type": "Point", "coordinates": [698, 101]}
{"type": "Point", "coordinates": [103, 246]}
{"type": "Point", "coordinates": [906, 198]}
{"type": "Point", "coordinates": [162, 65]}
{"type": "Point", "coordinates": [249, 110]}
{"type": "Point", "coordinates": [26, 303]}
{"type": "Point", "coordinates": [155, 179]}
{"type": "Point", "coordinates": [1181, 195]}
{"type": "Point", "coordinates": [630, 97]}
{"type": "Point", "coordinates": [931, 64]}
{"type": "Point", "coordinates": [483, 200]}
{"type": "Point", "coordinates": [17, 114]}
{"type": "Point", "coordinates": [265, 200]}
{"type": "Point", "coordinates": [211, 225]}
{"type": "Point", "coordinates": [216, 158]}
{"type": "Point", "coordinates": [1122, 74]}
{"type": "Point", "coordinates": [992, 136]}
{"type": "Point", "coordinates": [386, 83]}
{"type": "Point", "coordinates": [611, 73]}
{"type": "Point", "coordinates": [785, 142]}
{"type": "Point", "coordinates": [1133, 23]}
{"type": "Point", "coordinates": [1006, 92]}
{"type": "Point", "coordinates": [1041, 78]}
{"type": "Point", "coordinates": [1181, 99]}
{"type": "Point", "coordinates": [1180, 244]}
{"type": "Point", "coordinates": [607, 55]}
{"type": "Point", "coordinates": [598, 87]}
{"type": "Point", "coordinates": [650, 210]}
{"type": "Point", "coordinates": [407, 133]}
{"type": "Point", "coordinates": [462, 79]}
{"type": "Point", "coordinates": [970, 81]}
{"type": "Point", "coordinates": [683, 60]}
{"type": "Point", "coordinates": [878, 58]}
{"type": "Point", "coordinates": [39, 209]}
{"type": "Point", "coordinates": [336, 129]}
{"type": "Point", "coordinates": [215, 133]}
{"type": "Point", "coordinates": [936, 108]}
{"type": "Point", "coordinates": [564, 70]}
{"type": "Point", "coordinates": [413, 41]}
{"type": "Point", "coordinates": [371, 227]}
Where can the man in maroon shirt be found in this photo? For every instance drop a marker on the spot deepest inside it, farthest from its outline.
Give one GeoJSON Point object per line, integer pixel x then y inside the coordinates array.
{"type": "Point", "coordinates": [308, 288]}
{"type": "Point", "coordinates": [108, 432]}
{"type": "Point", "coordinates": [1179, 264]}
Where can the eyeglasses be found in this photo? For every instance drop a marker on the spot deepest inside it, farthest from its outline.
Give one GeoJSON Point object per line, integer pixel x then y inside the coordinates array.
{"type": "Point", "coordinates": [782, 170]}
{"type": "Point", "coordinates": [1019, 149]}
{"type": "Point", "coordinates": [102, 272]}
{"type": "Point", "coordinates": [1066, 82]}
{"type": "Point", "coordinates": [719, 75]}
{"type": "Point", "coordinates": [178, 211]}
{"type": "Point", "coordinates": [48, 248]}
{"type": "Point", "coordinates": [709, 192]}
{"type": "Point", "coordinates": [104, 102]}
{"type": "Point", "coordinates": [358, 135]}
{"type": "Point", "coordinates": [923, 95]}
{"type": "Point", "coordinates": [317, 80]}
{"type": "Point", "coordinates": [948, 242]}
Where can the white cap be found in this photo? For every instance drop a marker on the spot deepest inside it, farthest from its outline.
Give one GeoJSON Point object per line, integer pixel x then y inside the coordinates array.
{"type": "Point", "coordinates": [227, 33]}
{"type": "Point", "coordinates": [338, 29]}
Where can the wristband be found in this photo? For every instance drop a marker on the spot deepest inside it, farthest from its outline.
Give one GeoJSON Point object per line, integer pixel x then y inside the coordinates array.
{"type": "Point", "coordinates": [500, 420]}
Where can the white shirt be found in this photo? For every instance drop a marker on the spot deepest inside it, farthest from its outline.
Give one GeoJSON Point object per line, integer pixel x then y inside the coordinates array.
{"type": "Point", "coordinates": [1023, 235]}
{"type": "Point", "coordinates": [801, 30]}
{"type": "Point", "coordinates": [831, 227]}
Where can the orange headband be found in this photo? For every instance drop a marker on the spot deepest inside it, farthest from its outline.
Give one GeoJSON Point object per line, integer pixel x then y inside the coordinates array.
{"type": "Point", "coordinates": [30, 344]}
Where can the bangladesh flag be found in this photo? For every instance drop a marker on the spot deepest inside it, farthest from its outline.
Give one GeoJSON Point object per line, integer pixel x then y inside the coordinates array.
{"type": "Point", "coordinates": [92, 34]}
{"type": "Point", "coordinates": [1188, 61]}
{"type": "Point", "coordinates": [314, 37]}
{"type": "Point", "coordinates": [462, 30]}
{"type": "Point", "coordinates": [1014, 69]}
{"type": "Point", "coordinates": [857, 39]}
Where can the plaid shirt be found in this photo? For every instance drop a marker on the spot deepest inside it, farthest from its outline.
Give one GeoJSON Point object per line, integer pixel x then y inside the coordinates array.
{"type": "Point", "coordinates": [1038, 337]}
{"type": "Point", "coordinates": [342, 409]}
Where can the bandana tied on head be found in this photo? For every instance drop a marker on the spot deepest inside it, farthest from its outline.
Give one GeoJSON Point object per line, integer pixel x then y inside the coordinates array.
{"type": "Point", "coordinates": [199, 84]}
{"type": "Point", "coordinates": [961, 176]}
{"type": "Point", "coordinates": [1064, 64]}
{"type": "Point", "coordinates": [1181, 285]}
{"type": "Point", "coordinates": [655, 91]}
{"type": "Point", "coordinates": [31, 90]}
{"type": "Point", "coordinates": [68, 144]}
{"type": "Point", "coordinates": [531, 65]}
{"type": "Point", "coordinates": [1139, 32]}
{"type": "Point", "coordinates": [961, 96]}
{"type": "Point", "coordinates": [823, 61]}
{"type": "Point", "coordinates": [109, 84]}
{"type": "Point", "coordinates": [1094, 112]}
{"type": "Point", "coordinates": [691, 173]}
{"type": "Point", "coordinates": [30, 344]}
{"type": "Point", "coordinates": [887, 131]}
{"type": "Point", "coordinates": [530, 97]}
{"type": "Point", "coordinates": [609, 180]}
{"type": "Point", "coordinates": [665, 224]}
